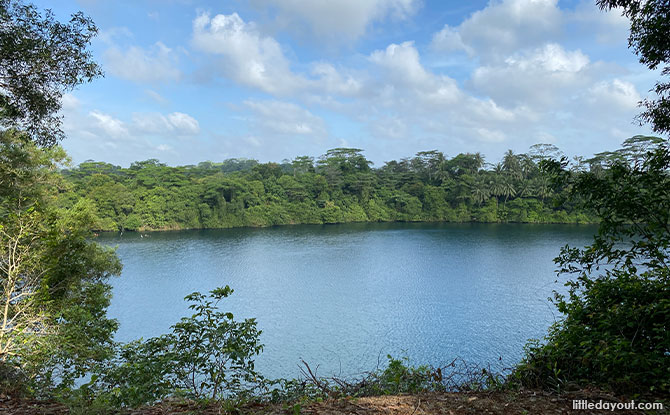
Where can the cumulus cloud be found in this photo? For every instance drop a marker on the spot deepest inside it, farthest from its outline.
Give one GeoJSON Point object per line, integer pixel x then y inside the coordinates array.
{"type": "Point", "coordinates": [615, 95]}
{"type": "Point", "coordinates": [410, 100]}
{"type": "Point", "coordinates": [142, 65]}
{"type": "Point", "coordinates": [328, 79]}
{"type": "Point", "coordinates": [184, 124]}
{"type": "Point", "coordinates": [503, 27]}
{"type": "Point", "coordinates": [449, 39]}
{"type": "Point", "coordinates": [514, 82]}
{"type": "Point", "coordinates": [109, 125]}
{"type": "Point", "coordinates": [250, 58]}
{"type": "Point", "coordinates": [403, 69]}
{"type": "Point", "coordinates": [402, 64]}
{"type": "Point", "coordinates": [409, 87]}
{"type": "Point", "coordinates": [106, 126]}
{"type": "Point", "coordinates": [175, 123]}
{"type": "Point", "coordinates": [284, 118]}
{"type": "Point", "coordinates": [339, 20]}
{"type": "Point", "coordinates": [608, 26]}
{"type": "Point", "coordinates": [541, 76]}
{"type": "Point", "coordinates": [258, 61]}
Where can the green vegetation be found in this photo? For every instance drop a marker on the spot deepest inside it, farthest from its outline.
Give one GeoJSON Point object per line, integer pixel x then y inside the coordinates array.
{"type": "Point", "coordinates": [40, 59]}
{"type": "Point", "coordinates": [207, 356]}
{"type": "Point", "coordinates": [614, 332]}
{"type": "Point", "coordinates": [341, 186]}
{"type": "Point", "coordinates": [54, 288]}
{"type": "Point", "coordinates": [53, 281]}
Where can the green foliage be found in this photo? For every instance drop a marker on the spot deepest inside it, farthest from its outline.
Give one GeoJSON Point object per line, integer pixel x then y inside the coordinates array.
{"type": "Point", "coordinates": [650, 25]}
{"type": "Point", "coordinates": [397, 377]}
{"type": "Point", "coordinates": [614, 333]}
{"type": "Point", "coordinates": [341, 187]}
{"type": "Point", "coordinates": [53, 280]}
{"type": "Point", "coordinates": [206, 356]}
{"type": "Point", "coordinates": [40, 58]}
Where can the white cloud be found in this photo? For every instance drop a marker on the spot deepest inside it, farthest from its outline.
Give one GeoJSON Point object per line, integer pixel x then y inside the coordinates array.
{"type": "Point", "coordinates": [139, 65]}
{"type": "Point", "coordinates": [608, 26]}
{"type": "Point", "coordinates": [249, 57]}
{"type": "Point", "coordinates": [550, 58]}
{"type": "Point", "coordinates": [285, 118]}
{"type": "Point", "coordinates": [402, 63]}
{"type": "Point", "coordinates": [151, 123]}
{"type": "Point", "coordinates": [255, 60]}
{"type": "Point", "coordinates": [111, 34]}
{"type": "Point", "coordinates": [490, 135]}
{"type": "Point", "coordinates": [184, 124]}
{"type": "Point", "coordinates": [503, 27]}
{"type": "Point", "coordinates": [404, 71]}
{"type": "Point", "coordinates": [329, 80]}
{"type": "Point", "coordinates": [449, 39]}
{"type": "Point", "coordinates": [517, 80]}
{"type": "Point", "coordinates": [109, 125]}
{"type": "Point", "coordinates": [409, 100]}
{"type": "Point", "coordinates": [390, 127]}
{"type": "Point", "coordinates": [175, 123]}
{"type": "Point", "coordinates": [617, 95]}
{"type": "Point", "coordinates": [70, 102]}
{"type": "Point", "coordinates": [338, 20]}
{"type": "Point", "coordinates": [542, 76]}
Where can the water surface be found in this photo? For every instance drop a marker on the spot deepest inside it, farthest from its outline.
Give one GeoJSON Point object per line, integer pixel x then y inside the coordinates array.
{"type": "Point", "coordinates": [344, 296]}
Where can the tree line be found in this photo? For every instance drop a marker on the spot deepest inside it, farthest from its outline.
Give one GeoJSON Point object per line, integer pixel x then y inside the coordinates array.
{"type": "Point", "coordinates": [340, 186]}
{"type": "Point", "coordinates": [56, 341]}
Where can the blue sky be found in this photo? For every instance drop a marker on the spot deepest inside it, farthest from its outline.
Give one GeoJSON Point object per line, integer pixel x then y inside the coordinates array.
{"type": "Point", "coordinates": [189, 80]}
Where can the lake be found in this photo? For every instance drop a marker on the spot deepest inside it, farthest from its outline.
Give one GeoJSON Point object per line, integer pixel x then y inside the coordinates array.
{"type": "Point", "coordinates": [344, 296]}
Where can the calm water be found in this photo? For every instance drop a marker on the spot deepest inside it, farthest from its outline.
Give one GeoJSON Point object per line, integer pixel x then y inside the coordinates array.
{"type": "Point", "coordinates": [343, 296]}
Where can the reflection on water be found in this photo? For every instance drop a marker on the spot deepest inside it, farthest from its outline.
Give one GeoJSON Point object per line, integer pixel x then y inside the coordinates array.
{"type": "Point", "coordinates": [344, 296]}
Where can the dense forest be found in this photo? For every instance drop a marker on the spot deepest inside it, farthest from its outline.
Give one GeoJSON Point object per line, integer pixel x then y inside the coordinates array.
{"type": "Point", "coordinates": [341, 186]}
{"type": "Point", "coordinates": [610, 341]}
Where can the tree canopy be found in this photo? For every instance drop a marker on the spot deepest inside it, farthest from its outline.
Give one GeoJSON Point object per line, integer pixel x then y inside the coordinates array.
{"type": "Point", "coordinates": [40, 59]}
{"type": "Point", "coordinates": [341, 186]}
{"type": "Point", "coordinates": [650, 25]}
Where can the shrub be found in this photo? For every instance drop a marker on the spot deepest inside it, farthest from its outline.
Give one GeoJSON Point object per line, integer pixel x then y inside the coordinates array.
{"type": "Point", "coordinates": [614, 332]}
{"type": "Point", "coordinates": [206, 356]}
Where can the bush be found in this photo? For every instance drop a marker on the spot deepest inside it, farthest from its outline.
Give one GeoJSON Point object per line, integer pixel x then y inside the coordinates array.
{"type": "Point", "coordinates": [207, 356]}
{"type": "Point", "coordinates": [614, 333]}
{"type": "Point", "coordinates": [614, 336]}
{"type": "Point", "coordinates": [397, 377]}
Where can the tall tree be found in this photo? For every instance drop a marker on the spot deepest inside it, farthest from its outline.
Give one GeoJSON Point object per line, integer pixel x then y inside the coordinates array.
{"type": "Point", "coordinates": [53, 280]}
{"type": "Point", "coordinates": [40, 59]}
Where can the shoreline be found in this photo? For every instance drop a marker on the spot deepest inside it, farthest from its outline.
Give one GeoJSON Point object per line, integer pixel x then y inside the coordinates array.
{"type": "Point", "coordinates": [437, 222]}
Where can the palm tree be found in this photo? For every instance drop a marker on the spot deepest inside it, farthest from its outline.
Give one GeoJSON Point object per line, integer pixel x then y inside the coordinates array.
{"type": "Point", "coordinates": [541, 187]}
{"type": "Point", "coordinates": [497, 186]}
{"type": "Point", "coordinates": [528, 166]}
{"type": "Point", "coordinates": [508, 189]}
{"type": "Point", "coordinates": [498, 169]}
{"type": "Point", "coordinates": [512, 165]}
{"type": "Point", "coordinates": [480, 191]}
{"type": "Point", "coordinates": [525, 189]}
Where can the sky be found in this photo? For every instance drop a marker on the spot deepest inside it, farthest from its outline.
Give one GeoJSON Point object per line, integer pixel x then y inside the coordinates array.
{"type": "Point", "coordinates": [195, 80]}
